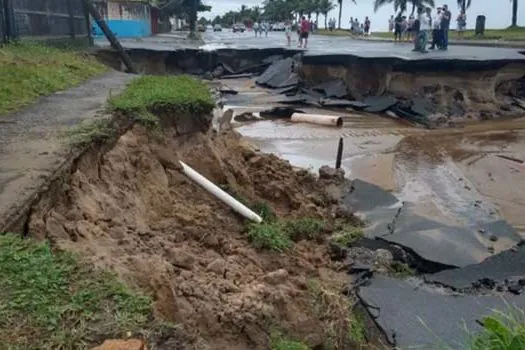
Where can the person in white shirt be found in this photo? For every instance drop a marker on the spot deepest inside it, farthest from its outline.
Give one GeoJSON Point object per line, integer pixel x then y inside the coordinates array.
{"type": "Point", "coordinates": [423, 17]}
{"type": "Point", "coordinates": [436, 26]}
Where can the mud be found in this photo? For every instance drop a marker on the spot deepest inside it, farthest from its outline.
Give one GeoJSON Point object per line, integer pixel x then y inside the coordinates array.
{"type": "Point", "coordinates": [129, 209]}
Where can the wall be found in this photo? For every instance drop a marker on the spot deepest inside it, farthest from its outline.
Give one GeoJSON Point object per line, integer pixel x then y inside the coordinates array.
{"type": "Point", "coordinates": [125, 19]}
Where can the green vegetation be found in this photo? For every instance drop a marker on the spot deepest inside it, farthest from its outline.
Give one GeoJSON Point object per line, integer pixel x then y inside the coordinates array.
{"type": "Point", "coordinates": [400, 269]}
{"type": "Point", "coordinates": [501, 331]}
{"type": "Point", "coordinates": [343, 329]}
{"type": "Point", "coordinates": [347, 236]}
{"type": "Point", "coordinates": [90, 131]}
{"type": "Point", "coordinates": [279, 235]}
{"type": "Point", "coordinates": [508, 34]}
{"type": "Point", "coordinates": [269, 235]}
{"type": "Point", "coordinates": [337, 32]}
{"type": "Point", "coordinates": [182, 94]}
{"type": "Point", "coordinates": [280, 343]}
{"type": "Point", "coordinates": [29, 71]}
{"type": "Point", "coordinates": [51, 301]}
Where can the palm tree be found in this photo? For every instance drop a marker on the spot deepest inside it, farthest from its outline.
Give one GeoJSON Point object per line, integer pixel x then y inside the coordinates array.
{"type": "Point", "coordinates": [340, 2]}
{"type": "Point", "coordinates": [464, 4]}
{"type": "Point", "coordinates": [326, 6]}
{"type": "Point", "coordinates": [514, 13]}
{"type": "Point", "coordinates": [402, 5]}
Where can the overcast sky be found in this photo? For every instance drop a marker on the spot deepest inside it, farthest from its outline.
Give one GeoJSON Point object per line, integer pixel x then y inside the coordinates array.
{"type": "Point", "coordinates": [498, 12]}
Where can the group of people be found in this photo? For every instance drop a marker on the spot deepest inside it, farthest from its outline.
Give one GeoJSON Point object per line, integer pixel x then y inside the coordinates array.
{"type": "Point", "coordinates": [260, 28]}
{"type": "Point", "coordinates": [418, 28]}
{"type": "Point", "coordinates": [357, 28]}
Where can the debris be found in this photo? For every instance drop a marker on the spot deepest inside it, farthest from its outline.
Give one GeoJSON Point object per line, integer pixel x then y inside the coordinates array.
{"type": "Point", "coordinates": [279, 75]}
{"type": "Point", "coordinates": [328, 173]}
{"type": "Point", "coordinates": [279, 112]}
{"type": "Point", "coordinates": [333, 88]}
{"type": "Point", "coordinates": [411, 316]}
{"type": "Point", "coordinates": [379, 104]}
{"type": "Point", "coordinates": [320, 119]}
{"type": "Point", "coordinates": [341, 103]}
{"type": "Point", "coordinates": [339, 155]}
{"type": "Point", "coordinates": [511, 158]}
{"type": "Point", "coordinates": [220, 194]}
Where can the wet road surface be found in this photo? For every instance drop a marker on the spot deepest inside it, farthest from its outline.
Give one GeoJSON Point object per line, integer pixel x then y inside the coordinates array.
{"type": "Point", "coordinates": [318, 44]}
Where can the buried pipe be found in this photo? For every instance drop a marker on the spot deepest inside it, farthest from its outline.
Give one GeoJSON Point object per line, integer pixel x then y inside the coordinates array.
{"type": "Point", "coordinates": [320, 119]}
{"type": "Point", "coordinates": [220, 194]}
{"type": "Point", "coordinates": [339, 156]}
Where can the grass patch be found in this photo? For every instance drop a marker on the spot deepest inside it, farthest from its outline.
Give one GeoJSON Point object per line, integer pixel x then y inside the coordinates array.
{"type": "Point", "coordinates": [501, 331]}
{"type": "Point", "coordinates": [279, 343]}
{"type": "Point", "coordinates": [280, 235]}
{"type": "Point", "coordinates": [269, 235]}
{"type": "Point", "coordinates": [90, 131]}
{"type": "Point", "coordinates": [507, 34]}
{"type": "Point", "coordinates": [343, 329]}
{"type": "Point", "coordinates": [50, 301]}
{"type": "Point", "coordinates": [304, 228]}
{"type": "Point", "coordinates": [347, 236]}
{"type": "Point", "coordinates": [183, 94]}
{"type": "Point", "coordinates": [29, 71]}
{"type": "Point", "coordinates": [400, 269]}
{"type": "Point", "coordinates": [337, 32]}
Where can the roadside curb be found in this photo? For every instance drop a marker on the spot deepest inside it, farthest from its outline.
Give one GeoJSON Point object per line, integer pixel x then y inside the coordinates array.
{"type": "Point", "coordinates": [505, 44]}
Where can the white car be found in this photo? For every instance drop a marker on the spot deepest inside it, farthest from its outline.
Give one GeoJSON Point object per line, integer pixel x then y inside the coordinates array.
{"type": "Point", "coordinates": [217, 28]}
{"type": "Point", "coordinates": [209, 28]}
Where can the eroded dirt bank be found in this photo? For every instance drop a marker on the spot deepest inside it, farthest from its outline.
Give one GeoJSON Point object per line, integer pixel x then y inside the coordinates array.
{"type": "Point", "coordinates": [131, 210]}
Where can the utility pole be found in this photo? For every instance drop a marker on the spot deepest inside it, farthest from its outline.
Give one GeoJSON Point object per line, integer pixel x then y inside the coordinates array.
{"type": "Point", "coordinates": [110, 36]}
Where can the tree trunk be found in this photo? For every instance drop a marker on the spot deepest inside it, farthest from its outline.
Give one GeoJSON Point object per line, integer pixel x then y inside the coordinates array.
{"type": "Point", "coordinates": [317, 17]}
{"type": "Point", "coordinates": [464, 6]}
{"type": "Point", "coordinates": [413, 8]}
{"type": "Point", "coordinates": [514, 13]}
{"type": "Point", "coordinates": [325, 20]}
{"type": "Point", "coordinates": [193, 20]}
{"type": "Point", "coordinates": [340, 12]}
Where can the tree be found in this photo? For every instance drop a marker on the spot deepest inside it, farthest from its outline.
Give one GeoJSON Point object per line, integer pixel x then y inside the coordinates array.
{"type": "Point", "coordinates": [402, 5]}
{"type": "Point", "coordinates": [514, 13]}
{"type": "Point", "coordinates": [341, 11]}
{"type": "Point", "coordinates": [326, 6]}
{"type": "Point", "coordinates": [186, 9]}
{"type": "Point", "coordinates": [464, 4]}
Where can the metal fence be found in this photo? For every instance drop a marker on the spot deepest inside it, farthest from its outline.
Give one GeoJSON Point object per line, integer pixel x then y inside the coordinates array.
{"type": "Point", "coordinates": [44, 18]}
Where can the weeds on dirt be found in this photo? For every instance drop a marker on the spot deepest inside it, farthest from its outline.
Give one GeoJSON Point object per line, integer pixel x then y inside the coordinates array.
{"type": "Point", "coordinates": [343, 329]}
{"type": "Point", "coordinates": [501, 331]}
{"type": "Point", "coordinates": [50, 301]}
{"type": "Point", "coordinates": [304, 228]}
{"type": "Point", "coordinates": [400, 269]}
{"type": "Point", "coordinates": [90, 131]}
{"type": "Point", "coordinates": [178, 93]}
{"type": "Point", "coordinates": [280, 343]}
{"type": "Point", "coordinates": [31, 70]}
{"type": "Point", "coordinates": [269, 235]}
{"type": "Point", "coordinates": [347, 236]}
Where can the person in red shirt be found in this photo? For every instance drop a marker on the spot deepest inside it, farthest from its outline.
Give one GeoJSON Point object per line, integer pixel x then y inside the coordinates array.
{"type": "Point", "coordinates": [304, 28]}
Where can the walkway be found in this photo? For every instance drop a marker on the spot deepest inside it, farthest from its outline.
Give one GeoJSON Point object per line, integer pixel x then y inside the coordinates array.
{"type": "Point", "coordinates": [31, 146]}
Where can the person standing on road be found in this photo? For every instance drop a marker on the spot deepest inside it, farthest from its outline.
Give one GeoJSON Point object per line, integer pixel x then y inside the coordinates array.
{"type": "Point", "coordinates": [303, 32]}
{"type": "Point", "coordinates": [445, 27]}
{"type": "Point", "coordinates": [436, 25]}
{"type": "Point", "coordinates": [391, 22]}
{"type": "Point", "coordinates": [423, 20]}
{"type": "Point", "coordinates": [256, 27]}
{"type": "Point", "coordinates": [462, 24]}
{"type": "Point", "coordinates": [288, 32]}
{"type": "Point", "coordinates": [367, 25]}
{"type": "Point", "coordinates": [398, 28]}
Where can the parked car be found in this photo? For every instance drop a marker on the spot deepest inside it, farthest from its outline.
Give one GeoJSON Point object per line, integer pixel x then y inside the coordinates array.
{"type": "Point", "coordinates": [217, 28]}
{"type": "Point", "coordinates": [239, 27]}
{"type": "Point", "coordinates": [278, 27]}
{"type": "Point", "coordinates": [209, 28]}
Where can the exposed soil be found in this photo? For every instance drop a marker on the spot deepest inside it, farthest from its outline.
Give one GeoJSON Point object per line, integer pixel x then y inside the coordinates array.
{"type": "Point", "coordinates": [131, 210]}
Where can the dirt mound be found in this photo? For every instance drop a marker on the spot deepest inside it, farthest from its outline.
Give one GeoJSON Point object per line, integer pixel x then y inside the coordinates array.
{"type": "Point", "coordinates": [131, 210]}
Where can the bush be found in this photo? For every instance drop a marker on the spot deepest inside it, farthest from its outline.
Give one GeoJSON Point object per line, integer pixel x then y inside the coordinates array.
{"type": "Point", "coordinates": [269, 236]}
{"type": "Point", "coordinates": [347, 236]}
{"type": "Point", "coordinates": [30, 70]}
{"type": "Point", "coordinates": [51, 301]}
{"type": "Point", "coordinates": [178, 93]}
{"type": "Point", "coordinates": [501, 331]}
{"type": "Point", "coordinates": [305, 228]}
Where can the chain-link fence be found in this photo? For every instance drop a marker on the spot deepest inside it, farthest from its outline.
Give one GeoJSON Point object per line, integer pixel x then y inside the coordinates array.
{"type": "Point", "coordinates": [44, 19]}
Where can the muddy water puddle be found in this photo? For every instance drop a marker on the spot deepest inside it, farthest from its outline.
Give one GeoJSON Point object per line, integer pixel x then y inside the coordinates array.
{"type": "Point", "coordinates": [453, 175]}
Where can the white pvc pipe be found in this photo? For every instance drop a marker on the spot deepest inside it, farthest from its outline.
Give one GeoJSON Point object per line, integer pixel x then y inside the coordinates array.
{"type": "Point", "coordinates": [219, 193]}
{"type": "Point", "coordinates": [321, 119]}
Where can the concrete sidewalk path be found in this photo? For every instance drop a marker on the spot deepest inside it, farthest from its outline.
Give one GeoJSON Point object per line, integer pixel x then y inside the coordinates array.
{"type": "Point", "coordinates": [31, 147]}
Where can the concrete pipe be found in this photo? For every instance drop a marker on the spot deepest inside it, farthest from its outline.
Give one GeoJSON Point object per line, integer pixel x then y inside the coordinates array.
{"type": "Point", "coordinates": [219, 193]}
{"type": "Point", "coordinates": [320, 119]}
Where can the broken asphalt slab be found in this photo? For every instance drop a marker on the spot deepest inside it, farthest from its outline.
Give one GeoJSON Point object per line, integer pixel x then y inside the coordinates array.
{"type": "Point", "coordinates": [438, 245]}
{"type": "Point", "coordinates": [503, 269]}
{"type": "Point", "coordinates": [378, 104]}
{"type": "Point", "coordinates": [332, 88]}
{"type": "Point", "coordinates": [279, 75]}
{"type": "Point", "coordinates": [410, 316]}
